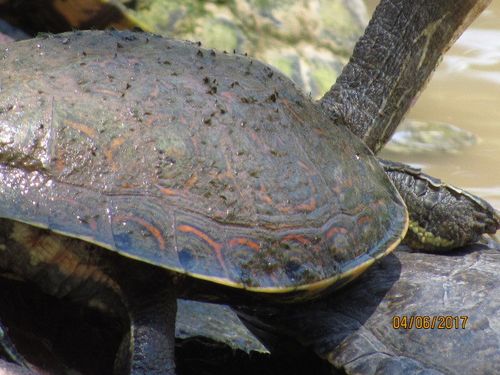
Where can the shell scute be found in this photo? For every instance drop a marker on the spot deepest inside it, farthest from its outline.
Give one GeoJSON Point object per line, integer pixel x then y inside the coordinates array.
{"type": "Point", "coordinates": [143, 228]}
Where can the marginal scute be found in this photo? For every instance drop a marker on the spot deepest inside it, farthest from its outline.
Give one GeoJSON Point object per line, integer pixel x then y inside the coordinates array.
{"type": "Point", "coordinates": [246, 184]}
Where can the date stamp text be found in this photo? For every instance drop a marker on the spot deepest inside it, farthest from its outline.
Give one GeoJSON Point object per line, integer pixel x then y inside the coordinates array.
{"type": "Point", "coordinates": [429, 321]}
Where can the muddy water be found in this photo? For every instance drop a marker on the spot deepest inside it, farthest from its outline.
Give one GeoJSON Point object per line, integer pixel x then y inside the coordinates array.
{"type": "Point", "coordinates": [465, 91]}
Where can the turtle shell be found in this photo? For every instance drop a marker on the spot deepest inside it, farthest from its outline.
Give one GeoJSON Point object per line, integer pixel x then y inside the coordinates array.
{"type": "Point", "coordinates": [208, 164]}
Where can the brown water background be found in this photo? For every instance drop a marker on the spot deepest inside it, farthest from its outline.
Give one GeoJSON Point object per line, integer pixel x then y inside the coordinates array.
{"type": "Point", "coordinates": [465, 91]}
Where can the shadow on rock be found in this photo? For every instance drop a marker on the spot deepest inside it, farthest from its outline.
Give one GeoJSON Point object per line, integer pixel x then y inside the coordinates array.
{"type": "Point", "coordinates": [411, 313]}
{"type": "Point", "coordinates": [325, 323]}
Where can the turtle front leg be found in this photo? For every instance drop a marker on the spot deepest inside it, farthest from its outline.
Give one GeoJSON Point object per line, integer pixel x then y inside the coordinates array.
{"type": "Point", "coordinates": [442, 217]}
{"type": "Point", "coordinates": [149, 348]}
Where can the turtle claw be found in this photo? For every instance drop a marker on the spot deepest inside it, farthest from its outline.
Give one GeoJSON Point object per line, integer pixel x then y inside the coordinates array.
{"type": "Point", "coordinates": [496, 219]}
{"type": "Point", "coordinates": [487, 220]}
{"type": "Point", "coordinates": [495, 227]}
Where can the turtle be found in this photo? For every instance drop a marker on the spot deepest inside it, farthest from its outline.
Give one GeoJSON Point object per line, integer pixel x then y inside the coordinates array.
{"type": "Point", "coordinates": [311, 56]}
{"type": "Point", "coordinates": [207, 175]}
{"type": "Point", "coordinates": [269, 31]}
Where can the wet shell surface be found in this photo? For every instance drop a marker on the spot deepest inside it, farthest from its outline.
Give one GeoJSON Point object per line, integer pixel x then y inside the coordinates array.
{"type": "Point", "coordinates": [208, 164]}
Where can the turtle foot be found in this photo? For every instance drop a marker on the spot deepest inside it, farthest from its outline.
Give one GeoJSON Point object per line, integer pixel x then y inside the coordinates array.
{"type": "Point", "coordinates": [487, 221]}
{"type": "Point", "coordinates": [442, 216]}
{"type": "Point", "coordinates": [149, 346]}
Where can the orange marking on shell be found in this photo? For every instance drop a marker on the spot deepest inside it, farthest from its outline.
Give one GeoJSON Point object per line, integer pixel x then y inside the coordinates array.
{"type": "Point", "coordinates": [115, 143]}
{"type": "Point", "coordinates": [320, 132]}
{"type": "Point", "coordinates": [308, 207]}
{"type": "Point", "coordinates": [230, 96]}
{"type": "Point", "coordinates": [245, 242]}
{"type": "Point", "coordinates": [264, 196]}
{"type": "Point", "coordinates": [228, 173]}
{"type": "Point", "coordinates": [150, 120]}
{"type": "Point", "coordinates": [170, 192]}
{"type": "Point", "coordinates": [149, 227]}
{"type": "Point", "coordinates": [336, 189]}
{"type": "Point", "coordinates": [191, 181]}
{"type": "Point", "coordinates": [262, 146]}
{"type": "Point", "coordinates": [297, 237]}
{"type": "Point", "coordinates": [364, 219]}
{"type": "Point", "coordinates": [128, 185]}
{"type": "Point", "coordinates": [312, 204]}
{"type": "Point", "coordinates": [198, 233]}
{"type": "Point", "coordinates": [216, 247]}
{"type": "Point", "coordinates": [347, 182]}
{"type": "Point", "coordinates": [88, 131]}
{"type": "Point", "coordinates": [284, 209]}
{"type": "Point", "coordinates": [59, 166]}
{"type": "Point", "coordinates": [334, 230]}
{"type": "Point", "coordinates": [303, 166]}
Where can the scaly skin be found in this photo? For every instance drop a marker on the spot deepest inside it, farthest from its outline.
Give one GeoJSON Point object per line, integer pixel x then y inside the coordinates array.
{"type": "Point", "coordinates": [442, 217]}
{"type": "Point", "coordinates": [387, 71]}
{"type": "Point", "coordinates": [392, 62]}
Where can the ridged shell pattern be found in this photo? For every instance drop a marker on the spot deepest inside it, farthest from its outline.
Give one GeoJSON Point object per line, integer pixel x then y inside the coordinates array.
{"type": "Point", "coordinates": [202, 162]}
